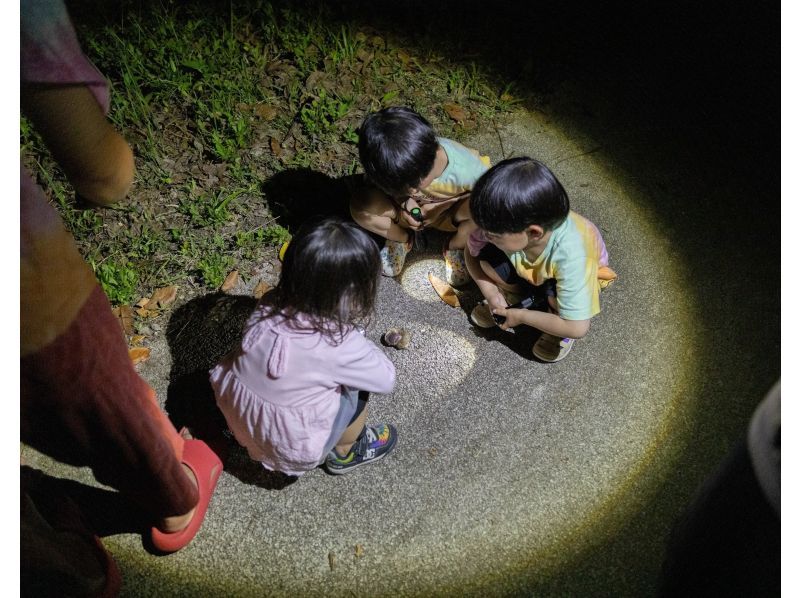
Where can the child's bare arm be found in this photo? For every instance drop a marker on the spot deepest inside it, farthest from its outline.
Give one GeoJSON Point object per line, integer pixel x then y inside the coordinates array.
{"type": "Point", "coordinates": [489, 289]}
{"type": "Point", "coordinates": [546, 322]}
{"type": "Point", "coordinates": [466, 226]}
{"type": "Point", "coordinates": [373, 211]}
{"type": "Point", "coordinates": [96, 159]}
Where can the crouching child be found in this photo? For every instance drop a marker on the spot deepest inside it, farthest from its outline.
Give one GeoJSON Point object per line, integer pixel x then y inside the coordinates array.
{"type": "Point", "coordinates": [535, 261]}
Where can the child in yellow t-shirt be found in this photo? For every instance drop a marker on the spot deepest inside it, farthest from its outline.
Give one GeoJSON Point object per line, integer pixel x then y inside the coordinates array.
{"type": "Point", "coordinates": [532, 249]}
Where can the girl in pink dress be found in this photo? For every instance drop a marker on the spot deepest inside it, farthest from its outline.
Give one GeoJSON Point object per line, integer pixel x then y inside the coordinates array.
{"type": "Point", "coordinates": [295, 393]}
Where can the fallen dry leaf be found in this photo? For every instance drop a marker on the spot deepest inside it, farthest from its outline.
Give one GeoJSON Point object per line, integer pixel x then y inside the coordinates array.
{"type": "Point", "coordinates": [261, 288]}
{"type": "Point", "coordinates": [316, 80]}
{"type": "Point", "coordinates": [454, 111]}
{"type": "Point", "coordinates": [139, 354]}
{"type": "Point", "coordinates": [162, 297]}
{"type": "Point", "coordinates": [137, 339]}
{"type": "Point", "coordinates": [444, 290]}
{"type": "Point", "coordinates": [143, 313]}
{"type": "Point", "coordinates": [142, 302]}
{"type": "Point", "coordinates": [359, 551]}
{"type": "Point", "coordinates": [364, 55]}
{"type": "Point", "coordinates": [124, 314]}
{"type": "Point", "coordinates": [275, 146]}
{"type": "Point", "coordinates": [266, 111]}
{"type": "Point", "coordinates": [230, 281]}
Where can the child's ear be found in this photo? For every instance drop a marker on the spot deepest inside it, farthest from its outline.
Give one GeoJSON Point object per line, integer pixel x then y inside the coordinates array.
{"type": "Point", "coordinates": [535, 232]}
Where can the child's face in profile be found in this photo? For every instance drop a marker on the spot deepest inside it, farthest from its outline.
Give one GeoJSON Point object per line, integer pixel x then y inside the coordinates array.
{"type": "Point", "coordinates": [509, 242]}
{"type": "Point", "coordinates": [439, 164]}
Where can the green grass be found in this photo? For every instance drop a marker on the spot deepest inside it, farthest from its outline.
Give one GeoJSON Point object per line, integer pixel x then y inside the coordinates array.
{"type": "Point", "coordinates": [204, 92]}
{"type": "Point", "coordinates": [323, 111]}
{"type": "Point", "coordinates": [119, 280]}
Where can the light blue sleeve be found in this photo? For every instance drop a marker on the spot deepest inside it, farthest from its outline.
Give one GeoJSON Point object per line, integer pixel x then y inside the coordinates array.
{"type": "Point", "coordinates": [464, 167]}
{"type": "Point", "coordinates": [576, 282]}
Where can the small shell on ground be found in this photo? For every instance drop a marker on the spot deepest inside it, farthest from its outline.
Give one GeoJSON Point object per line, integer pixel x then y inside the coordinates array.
{"type": "Point", "coordinates": [397, 337]}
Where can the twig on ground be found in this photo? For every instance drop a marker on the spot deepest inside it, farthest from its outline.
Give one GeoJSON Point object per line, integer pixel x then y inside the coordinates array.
{"type": "Point", "coordinates": [586, 153]}
{"type": "Point", "coordinates": [500, 139]}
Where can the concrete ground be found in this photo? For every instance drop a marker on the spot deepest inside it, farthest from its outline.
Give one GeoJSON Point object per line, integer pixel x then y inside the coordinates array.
{"type": "Point", "coordinates": [510, 476]}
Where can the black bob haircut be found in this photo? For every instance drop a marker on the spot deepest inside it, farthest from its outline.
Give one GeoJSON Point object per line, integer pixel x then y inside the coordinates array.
{"type": "Point", "coordinates": [330, 274]}
{"type": "Point", "coordinates": [397, 148]}
{"type": "Point", "coordinates": [516, 193]}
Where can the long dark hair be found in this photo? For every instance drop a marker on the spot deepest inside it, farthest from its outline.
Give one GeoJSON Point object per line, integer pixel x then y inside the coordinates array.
{"type": "Point", "coordinates": [330, 275]}
{"type": "Point", "coordinates": [515, 193]}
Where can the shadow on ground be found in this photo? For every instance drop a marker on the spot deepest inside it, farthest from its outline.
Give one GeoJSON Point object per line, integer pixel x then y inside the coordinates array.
{"type": "Point", "coordinates": [300, 194]}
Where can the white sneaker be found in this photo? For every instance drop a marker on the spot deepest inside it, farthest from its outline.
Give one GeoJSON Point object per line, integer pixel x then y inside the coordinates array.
{"type": "Point", "coordinates": [551, 348]}
{"type": "Point", "coordinates": [393, 257]}
{"type": "Point", "coordinates": [455, 268]}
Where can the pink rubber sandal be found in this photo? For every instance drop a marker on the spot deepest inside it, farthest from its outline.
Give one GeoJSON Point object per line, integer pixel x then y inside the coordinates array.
{"type": "Point", "coordinates": [207, 468]}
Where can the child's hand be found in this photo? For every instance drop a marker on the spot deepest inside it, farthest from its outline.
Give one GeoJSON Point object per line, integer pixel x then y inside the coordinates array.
{"type": "Point", "coordinates": [497, 301]}
{"type": "Point", "coordinates": [514, 317]}
{"type": "Point", "coordinates": [408, 221]}
{"type": "Point", "coordinates": [412, 221]}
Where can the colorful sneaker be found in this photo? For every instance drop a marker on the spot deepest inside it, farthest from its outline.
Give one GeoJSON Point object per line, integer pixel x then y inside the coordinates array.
{"type": "Point", "coordinates": [375, 443]}
{"type": "Point", "coordinates": [455, 267]}
{"type": "Point", "coordinates": [481, 316]}
{"type": "Point", "coordinates": [551, 348]}
{"type": "Point", "coordinates": [393, 257]}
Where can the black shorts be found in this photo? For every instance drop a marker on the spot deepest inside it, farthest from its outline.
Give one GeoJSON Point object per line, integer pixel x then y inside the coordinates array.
{"type": "Point", "coordinates": [503, 267]}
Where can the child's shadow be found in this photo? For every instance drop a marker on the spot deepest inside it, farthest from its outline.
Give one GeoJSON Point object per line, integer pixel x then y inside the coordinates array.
{"type": "Point", "coordinates": [302, 195]}
{"type": "Point", "coordinates": [200, 333]}
{"type": "Point", "coordinates": [298, 195]}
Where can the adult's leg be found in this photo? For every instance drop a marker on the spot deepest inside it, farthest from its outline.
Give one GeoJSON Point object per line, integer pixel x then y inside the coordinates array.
{"type": "Point", "coordinates": [727, 543]}
{"type": "Point", "coordinates": [81, 400]}
{"type": "Point", "coordinates": [60, 553]}
{"type": "Point", "coordinates": [84, 404]}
